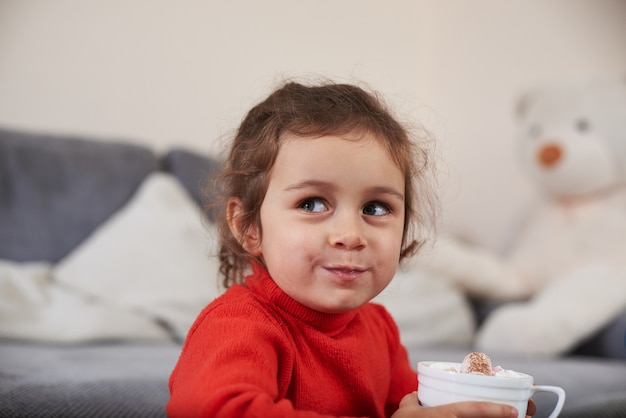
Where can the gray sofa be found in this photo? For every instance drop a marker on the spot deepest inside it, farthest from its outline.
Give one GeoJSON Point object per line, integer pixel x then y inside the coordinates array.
{"type": "Point", "coordinates": [54, 193]}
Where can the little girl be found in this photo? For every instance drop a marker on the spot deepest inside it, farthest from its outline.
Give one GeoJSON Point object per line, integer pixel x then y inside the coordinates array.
{"type": "Point", "coordinates": [320, 195]}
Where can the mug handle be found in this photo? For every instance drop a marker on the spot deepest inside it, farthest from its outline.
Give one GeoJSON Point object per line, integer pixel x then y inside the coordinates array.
{"type": "Point", "coordinates": [554, 389]}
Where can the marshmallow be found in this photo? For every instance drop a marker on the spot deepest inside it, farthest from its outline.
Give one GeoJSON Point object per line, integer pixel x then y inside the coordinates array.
{"type": "Point", "coordinates": [477, 363]}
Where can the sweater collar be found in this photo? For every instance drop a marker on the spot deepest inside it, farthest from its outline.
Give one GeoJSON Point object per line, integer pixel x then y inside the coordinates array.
{"type": "Point", "coordinates": [261, 283]}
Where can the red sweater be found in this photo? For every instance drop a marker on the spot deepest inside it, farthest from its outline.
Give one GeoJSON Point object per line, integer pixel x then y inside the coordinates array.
{"type": "Point", "coordinates": [256, 352]}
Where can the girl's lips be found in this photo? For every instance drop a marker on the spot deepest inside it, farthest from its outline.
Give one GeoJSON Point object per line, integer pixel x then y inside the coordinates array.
{"type": "Point", "coordinates": [346, 273]}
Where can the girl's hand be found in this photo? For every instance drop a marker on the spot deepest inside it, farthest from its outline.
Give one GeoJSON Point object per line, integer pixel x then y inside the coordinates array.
{"type": "Point", "coordinates": [410, 408]}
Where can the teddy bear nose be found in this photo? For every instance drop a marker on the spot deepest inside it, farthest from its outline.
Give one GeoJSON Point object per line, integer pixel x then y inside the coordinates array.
{"type": "Point", "coordinates": [549, 155]}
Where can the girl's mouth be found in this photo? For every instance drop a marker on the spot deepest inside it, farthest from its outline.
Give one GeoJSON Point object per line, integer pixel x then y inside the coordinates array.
{"type": "Point", "coordinates": [346, 273]}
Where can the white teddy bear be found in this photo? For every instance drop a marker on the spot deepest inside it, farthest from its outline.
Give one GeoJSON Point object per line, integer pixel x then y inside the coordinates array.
{"type": "Point", "coordinates": [567, 266]}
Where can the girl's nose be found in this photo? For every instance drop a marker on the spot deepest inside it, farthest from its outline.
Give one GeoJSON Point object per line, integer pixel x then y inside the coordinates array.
{"type": "Point", "coordinates": [347, 234]}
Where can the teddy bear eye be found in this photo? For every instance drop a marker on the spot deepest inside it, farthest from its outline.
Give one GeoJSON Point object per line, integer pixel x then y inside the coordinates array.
{"type": "Point", "coordinates": [582, 125]}
{"type": "Point", "coordinates": [534, 131]}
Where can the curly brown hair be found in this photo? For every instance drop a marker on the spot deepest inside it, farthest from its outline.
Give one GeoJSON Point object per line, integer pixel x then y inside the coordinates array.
{"type": "Point", "coordinates": [313, 111]}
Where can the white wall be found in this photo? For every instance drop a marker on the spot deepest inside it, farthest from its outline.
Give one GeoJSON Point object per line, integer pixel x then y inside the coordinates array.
{"type": "Point", "coordinates": [183, 73]}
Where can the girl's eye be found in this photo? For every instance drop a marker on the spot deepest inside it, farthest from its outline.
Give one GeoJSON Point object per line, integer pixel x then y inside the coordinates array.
{"type": "Point", "coordinates": [314, 205]}
{"type": "Point", "coordinates": [376, 209]}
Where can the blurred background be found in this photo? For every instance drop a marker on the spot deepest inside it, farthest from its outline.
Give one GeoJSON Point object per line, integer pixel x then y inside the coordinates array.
{"type": "Point", "coordinates": [184, 73]}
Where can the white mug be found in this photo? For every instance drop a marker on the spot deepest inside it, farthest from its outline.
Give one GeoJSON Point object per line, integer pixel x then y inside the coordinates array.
{"type": "Point", "coordinates": [437, 386]}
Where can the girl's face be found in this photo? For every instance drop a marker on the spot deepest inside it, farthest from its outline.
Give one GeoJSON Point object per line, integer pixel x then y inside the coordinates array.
{"type": "Point", "coordinates": [332, 221]}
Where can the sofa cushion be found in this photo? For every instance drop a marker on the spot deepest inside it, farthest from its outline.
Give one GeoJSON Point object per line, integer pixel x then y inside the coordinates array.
{"type": "Point", "coordinates": [195, 172]}
{"type": "Point", "coordinates": [55, 190]}
{"type": "Point", "coordinates": [85, 380]}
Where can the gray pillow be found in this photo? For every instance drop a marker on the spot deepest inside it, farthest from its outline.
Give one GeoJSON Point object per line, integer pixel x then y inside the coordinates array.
{"type": "Point", "coordinates": [196, 172]}
{"type": "Point", "coordinates": [54, 190]}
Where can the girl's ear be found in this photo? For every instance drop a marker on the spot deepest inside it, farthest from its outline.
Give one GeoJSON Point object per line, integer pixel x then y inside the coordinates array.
{"type": "Point", "coordinates": [249, 238]}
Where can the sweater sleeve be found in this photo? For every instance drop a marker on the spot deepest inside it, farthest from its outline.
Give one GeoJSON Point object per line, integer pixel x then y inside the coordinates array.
{"type": "Point", "coordinates": [403, 376]}
{"type": "Point", "coordinates": [229, 366]}
{"type": "Point", "coordinates": [404, 380]}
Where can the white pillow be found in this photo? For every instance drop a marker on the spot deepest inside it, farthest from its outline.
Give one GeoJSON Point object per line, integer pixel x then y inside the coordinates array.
{"type": "Point", "coordinates": [21, 287]}
{"type": "Point", "coordinates": [153, 256]}
{"type": "Point", "coordinates": [429, 311]}
{"type": "Point", "coordinates": [35, 308]}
